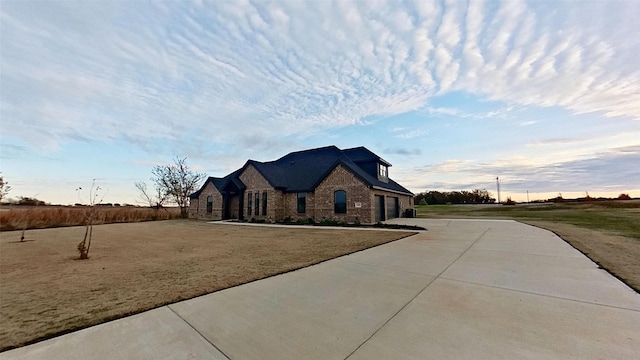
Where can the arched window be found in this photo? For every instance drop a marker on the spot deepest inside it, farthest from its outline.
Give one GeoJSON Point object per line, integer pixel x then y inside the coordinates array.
{"type": "Point", "coordinates": [209, 204]}
{"type": "Point", "coordinates": [340, 202]}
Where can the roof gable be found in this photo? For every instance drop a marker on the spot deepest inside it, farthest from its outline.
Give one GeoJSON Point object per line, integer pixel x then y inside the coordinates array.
{"type": "Point", "coordinates": [302, 171]}
{"type": "Point", "coordinates": [220, 183]}
{"type": "Point", "coordinates": [362, 155]}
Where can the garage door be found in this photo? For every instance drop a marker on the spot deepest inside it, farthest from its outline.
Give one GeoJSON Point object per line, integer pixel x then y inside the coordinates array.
{"type": "Point", "coordinates": [379, 208]}
{"type": "Point", "coordinates": [392, 207]}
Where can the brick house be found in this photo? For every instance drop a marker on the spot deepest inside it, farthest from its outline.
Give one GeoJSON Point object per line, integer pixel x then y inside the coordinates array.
{"type": "Point", "coordinates": [327, 183]}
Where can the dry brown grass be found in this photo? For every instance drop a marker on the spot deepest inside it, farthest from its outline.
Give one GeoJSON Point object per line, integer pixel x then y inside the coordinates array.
{"type": "Point", "coordinates": [42, 217]}
{"type": "Point", "coordinates": [134, 267]}
{"type": "Point", "coordinates": [619, 255]}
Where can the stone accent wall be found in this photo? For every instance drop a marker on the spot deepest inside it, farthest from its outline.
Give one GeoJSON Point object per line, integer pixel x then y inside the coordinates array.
{"type": "Point", "coordinates": [358, 194]}
{"type": "Point", "coordinates": [198, 207]}
{"type": "Point", "coordinates": [257, 183]}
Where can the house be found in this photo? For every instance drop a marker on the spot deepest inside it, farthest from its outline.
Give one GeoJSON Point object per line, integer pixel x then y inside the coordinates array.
{"type": "Point", "coordinates": [327, 183]}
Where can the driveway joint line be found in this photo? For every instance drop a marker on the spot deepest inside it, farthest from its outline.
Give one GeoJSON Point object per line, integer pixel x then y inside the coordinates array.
{"type": "Point", "coordinates": [199, 333]}
{"type": "Point", "coordinates": [414, 297]}
{"type": "Point", "coordinates": [539, 294]}
{"type": "Point", "coordinates": [532, 254]}
{"type": "Point", "coordinates": [390, 318]}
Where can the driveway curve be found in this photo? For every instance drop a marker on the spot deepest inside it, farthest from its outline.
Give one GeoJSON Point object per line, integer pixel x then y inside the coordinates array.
{"type": "Point", "coordinates": [482, 289]}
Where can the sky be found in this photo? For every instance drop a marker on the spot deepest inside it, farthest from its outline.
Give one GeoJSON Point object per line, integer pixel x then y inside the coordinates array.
{"type": "Point", "coordinates": [544, 95]}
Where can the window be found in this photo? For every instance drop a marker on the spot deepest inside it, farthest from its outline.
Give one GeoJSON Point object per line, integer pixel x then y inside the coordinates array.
{"type": "Point", "coordinates": [264, 203]}
{"type": "Point", "coordinates": [302, 203]}
{"type": "Point", "coordinates": [209, 204]}
{"type": "Point", "coordinates": [258, 204]}
{"type": "Point", "coordinates": [383, 170]}
{"type": "Point", "coordinates": [249, 198]}
{"type": "Point", "coordinates": [340, 202]}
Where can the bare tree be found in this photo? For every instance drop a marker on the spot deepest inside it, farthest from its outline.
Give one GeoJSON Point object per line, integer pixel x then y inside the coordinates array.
{"type": "Point", "coordinates": [177, 182]}
{"type": "Point", "coordinates": [85, 244]}
{"type": "Point", "coordinates": [32, 202]}
{"type": "Point", "coordinates": [155, 200]}
{"type": "Point", "coordinates": [4, 188]}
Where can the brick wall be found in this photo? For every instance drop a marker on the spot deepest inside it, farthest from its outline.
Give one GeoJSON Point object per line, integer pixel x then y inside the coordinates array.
{"type": "Point", "coordinates": [290, 207]}
{"type": "Point", "coordinates": [257, 183]}
{"type": "Point", "coordinates": [198, 207]}
{"type": "Point", "coordinates": [358, 193]}
{"type": "Point", "coordinates": [319, 205]}
{"type": "Point", "coordinates": [404, 202]}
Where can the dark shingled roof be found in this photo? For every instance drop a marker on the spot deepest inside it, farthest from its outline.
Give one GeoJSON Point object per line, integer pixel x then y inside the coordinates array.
{"type": "Point", "coordinates": [302, 171]}
{"type": "Point", "coordinates": [220, 183]}
{"type": "Point", "coordinates": [362, 154]}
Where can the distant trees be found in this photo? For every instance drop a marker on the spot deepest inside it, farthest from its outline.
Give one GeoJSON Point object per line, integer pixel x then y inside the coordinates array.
{"type": "Point", "coordinates": [476, 196]}
{"type": "Point", "coordinates": [4, 188]}
{"type": "Point", "coordinates": [173, 182]}
{"type": "Point", "coordinates": [556, 199]}
{"type": "Point", "coordinates": [29, 201]}
{"type": "Point", "coordinates": [482, 196]}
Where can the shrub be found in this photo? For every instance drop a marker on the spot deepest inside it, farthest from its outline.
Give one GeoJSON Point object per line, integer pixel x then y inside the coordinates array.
{"type": "Point", "coordinates": [326, 222]}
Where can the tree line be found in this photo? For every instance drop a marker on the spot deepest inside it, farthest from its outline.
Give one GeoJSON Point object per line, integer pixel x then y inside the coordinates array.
{"type": "Point", "coordinates": [476, 196]}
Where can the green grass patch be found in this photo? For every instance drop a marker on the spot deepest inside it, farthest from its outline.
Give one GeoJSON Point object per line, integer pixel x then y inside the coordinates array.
{"type": "Point", "coordinates": [616, 217]}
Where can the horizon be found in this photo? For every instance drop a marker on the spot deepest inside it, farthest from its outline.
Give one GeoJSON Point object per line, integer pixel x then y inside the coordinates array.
{"type": "Point", "coordinates": [9, 201]}
{"type": "Point", "coordinates": [545, 96]}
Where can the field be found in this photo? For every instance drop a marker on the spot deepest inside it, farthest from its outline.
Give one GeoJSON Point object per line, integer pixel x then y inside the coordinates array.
{"type": "Point", "coordinates": [43, 217]}
{"type": "Point", "coordinates": [45, 291]}
{"type": "Point", "coordinates": [608, 232]}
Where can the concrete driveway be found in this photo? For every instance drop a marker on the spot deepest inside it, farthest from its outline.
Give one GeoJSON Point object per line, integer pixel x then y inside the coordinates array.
{"type": "Point", "coordinates": [476, 289]}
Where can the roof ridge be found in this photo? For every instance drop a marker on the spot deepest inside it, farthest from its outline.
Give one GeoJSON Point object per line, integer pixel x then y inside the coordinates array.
{"type": "Point", "coordinates": [313, 149]}
{"type": "Point", "coordinates": [357, 147]}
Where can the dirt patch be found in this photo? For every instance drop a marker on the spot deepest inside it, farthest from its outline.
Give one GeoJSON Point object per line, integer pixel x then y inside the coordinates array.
{"type": "Point", "coordinates": [134, 267]}
{"type": "Point", "coordinates": [617, 254]}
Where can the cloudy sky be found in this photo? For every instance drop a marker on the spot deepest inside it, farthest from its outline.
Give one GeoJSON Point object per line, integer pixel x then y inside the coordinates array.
{"type": "Point", "coordinates": [543, 94]}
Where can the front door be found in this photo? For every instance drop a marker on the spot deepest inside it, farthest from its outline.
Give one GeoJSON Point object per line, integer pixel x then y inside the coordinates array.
{"type": "Point", "coordinates": [226, 200]}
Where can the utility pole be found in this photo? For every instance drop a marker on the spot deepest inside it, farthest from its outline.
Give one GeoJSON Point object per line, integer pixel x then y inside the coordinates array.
{"type": "Point", "coordinates": [527, 196]}
{"type": "Point", "coordinates": [498, 186]}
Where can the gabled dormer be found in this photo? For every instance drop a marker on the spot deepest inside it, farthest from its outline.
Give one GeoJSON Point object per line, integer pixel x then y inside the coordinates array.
{"type": "Point", "coordinates": [383, 172]}
{"type": "Point", "coordinates": [371, 163]}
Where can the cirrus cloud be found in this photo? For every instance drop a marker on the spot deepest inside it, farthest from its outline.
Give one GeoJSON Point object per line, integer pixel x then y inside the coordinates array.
{"type": "Point", "coordinates": [155, 71]}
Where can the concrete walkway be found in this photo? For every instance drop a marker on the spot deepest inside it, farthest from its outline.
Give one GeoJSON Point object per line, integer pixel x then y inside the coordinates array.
{"type": "Point", "coordinates": [473, 289]}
